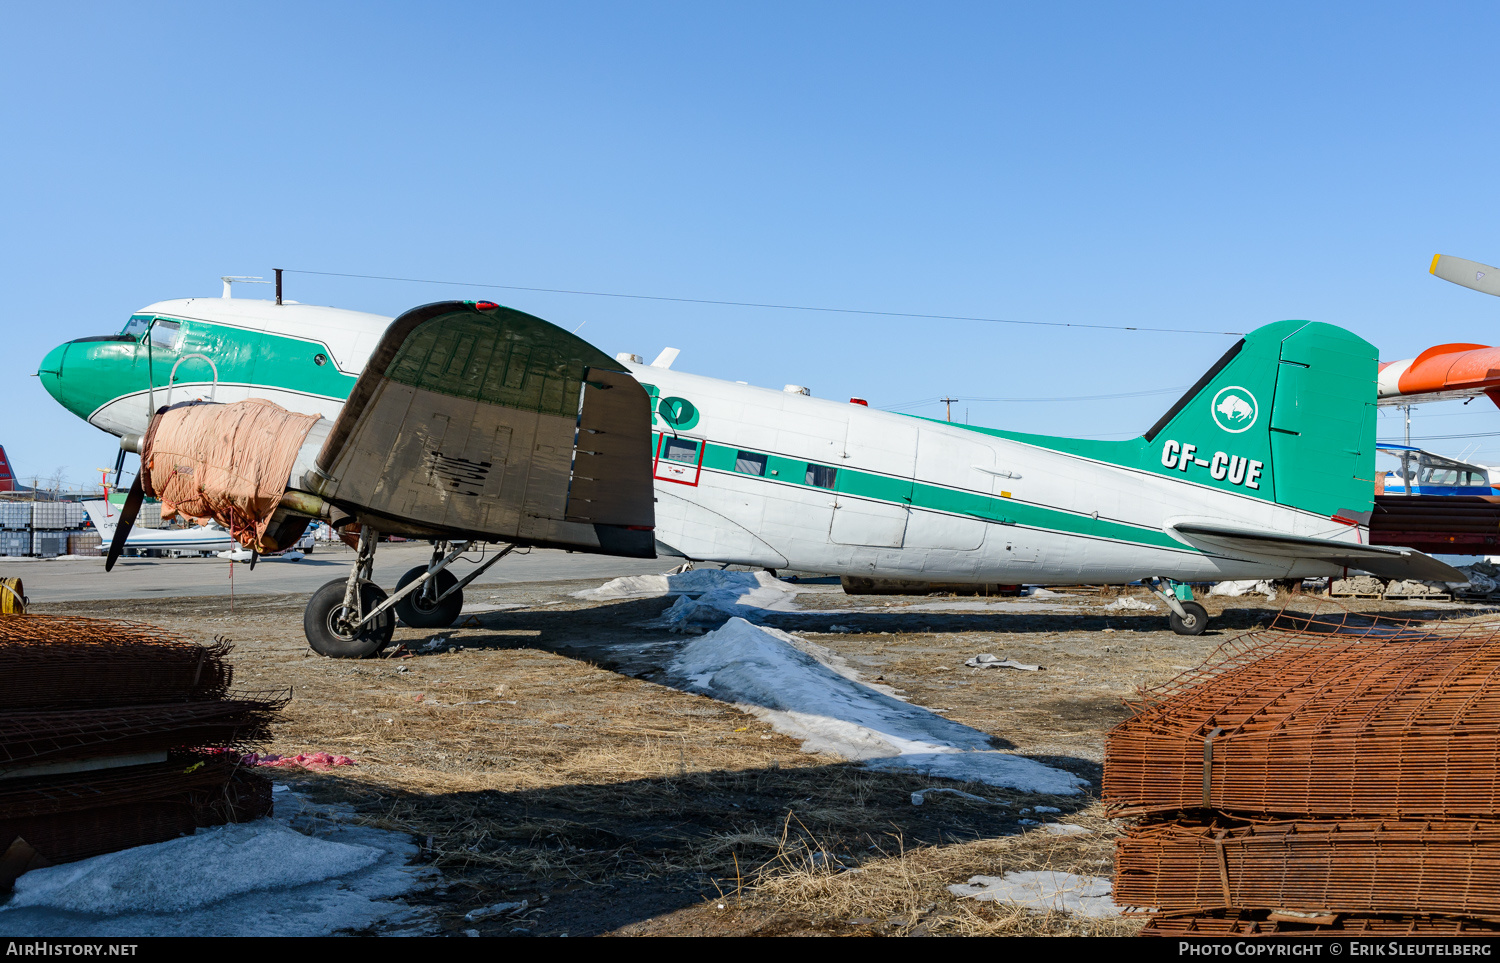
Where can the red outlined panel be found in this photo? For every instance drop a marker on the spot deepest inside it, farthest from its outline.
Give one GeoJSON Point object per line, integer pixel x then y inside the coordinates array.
{"type": "Point", "coordinates": [679, 459]}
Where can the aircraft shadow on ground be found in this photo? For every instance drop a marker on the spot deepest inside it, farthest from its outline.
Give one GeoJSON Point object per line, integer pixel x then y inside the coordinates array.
{"type": "Point", "coordinates": [621, 620]}
{"type": "Point", "coordinates": [612, 637]}
{"type": "Point", "coordinates": [598, 856]}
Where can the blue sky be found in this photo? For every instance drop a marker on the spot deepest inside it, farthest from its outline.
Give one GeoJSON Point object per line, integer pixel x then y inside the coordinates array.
{"type": "Point", "coordinates": [1196, 166]}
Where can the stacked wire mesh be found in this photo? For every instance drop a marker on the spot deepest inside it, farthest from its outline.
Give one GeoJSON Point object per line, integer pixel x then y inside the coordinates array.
{"type": "Point", "coordinates": [1328, 774]}
{"type": "Point", "coordinates": [117, 734]}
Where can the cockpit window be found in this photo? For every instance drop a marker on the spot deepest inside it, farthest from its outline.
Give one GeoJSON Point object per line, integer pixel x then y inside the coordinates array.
{"type": "Point", "coordinates": [166, 334]}
{"type": "Point", "coordinates": [136, 326]}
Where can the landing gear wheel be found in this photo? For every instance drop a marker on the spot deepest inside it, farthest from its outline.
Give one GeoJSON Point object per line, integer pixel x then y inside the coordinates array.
{"type": "Point", "coordinates": [418, 612]}
{"type": "Point", "coordinates": [1195, 622]}
{"type": "Point", "coordinates": [325, 611]}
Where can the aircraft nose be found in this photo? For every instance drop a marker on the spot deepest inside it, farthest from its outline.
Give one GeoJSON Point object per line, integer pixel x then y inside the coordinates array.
{"type": "Point", "coordinates": [86, 373]}
{"type": "Point", "coordinates": [50, 372]}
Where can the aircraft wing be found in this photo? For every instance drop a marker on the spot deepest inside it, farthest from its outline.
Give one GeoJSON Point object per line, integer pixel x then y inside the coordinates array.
{"type": "Point", "coordinates": [473, 420]}
{"type": "Point", "coordinates": [1379, 560]}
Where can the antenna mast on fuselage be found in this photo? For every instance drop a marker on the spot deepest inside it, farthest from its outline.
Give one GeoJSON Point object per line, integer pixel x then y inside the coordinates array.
{"type": "Point", "coordinates": [230, 279]}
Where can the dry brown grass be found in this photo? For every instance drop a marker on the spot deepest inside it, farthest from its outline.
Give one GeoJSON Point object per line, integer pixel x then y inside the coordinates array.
{"type": "Point", "coordinates": [902, 891]}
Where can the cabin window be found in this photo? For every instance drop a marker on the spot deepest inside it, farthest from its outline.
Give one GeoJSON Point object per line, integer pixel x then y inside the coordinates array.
{"type": "Point", "coordinates": [680, 449]}
{"type": "Point", "coordinates": [166, 334]}
{"type": "Point", "coordinates": [749, 463]}
{"type": "Point", "coordinates": [821, 475]}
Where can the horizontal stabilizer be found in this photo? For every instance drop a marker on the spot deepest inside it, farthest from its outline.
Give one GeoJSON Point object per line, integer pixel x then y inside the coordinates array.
{"type": "Point", "coordinates": [1378, 560]}
{"type": "Point", "coordinates": [1470, 274]}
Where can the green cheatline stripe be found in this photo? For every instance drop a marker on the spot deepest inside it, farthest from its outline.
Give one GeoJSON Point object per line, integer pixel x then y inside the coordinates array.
{"type": "Point", "coordinates": [262, 358]}
{"type": "Point", "coordinates": [913, 494]}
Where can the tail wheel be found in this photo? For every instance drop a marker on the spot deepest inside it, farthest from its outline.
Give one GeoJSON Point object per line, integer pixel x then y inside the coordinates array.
{"type": "Point", "coordinates": [325, 625]}
{"type": "Point", "coordinates": [417, 609]}
{"type": "Point", "coordinates": [1194, 622]}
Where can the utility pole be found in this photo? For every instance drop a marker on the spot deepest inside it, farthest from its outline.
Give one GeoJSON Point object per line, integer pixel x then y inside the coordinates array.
{"type": "Point", "coordinates": [949, 402]}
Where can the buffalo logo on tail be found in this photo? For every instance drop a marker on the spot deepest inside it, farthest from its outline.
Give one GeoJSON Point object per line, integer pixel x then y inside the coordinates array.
{"type": "Point", "coordinates": [1234, 409]}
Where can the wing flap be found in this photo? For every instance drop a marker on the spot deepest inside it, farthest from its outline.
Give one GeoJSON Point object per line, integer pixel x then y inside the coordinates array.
{"type": "Point", "coordinates": [1378, 560]}
{"type": "Point", "coordinates": [614, 444]}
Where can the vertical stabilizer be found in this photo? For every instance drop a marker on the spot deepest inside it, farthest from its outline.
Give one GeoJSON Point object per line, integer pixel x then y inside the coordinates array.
{"type": "Point", "coordinates": [103, 516]}
{"type": "Point", "coordinates": [1288, 414]}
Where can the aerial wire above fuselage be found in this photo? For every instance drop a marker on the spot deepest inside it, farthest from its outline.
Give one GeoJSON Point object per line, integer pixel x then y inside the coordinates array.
{"type": "Point", "coordinates": [759, 304]}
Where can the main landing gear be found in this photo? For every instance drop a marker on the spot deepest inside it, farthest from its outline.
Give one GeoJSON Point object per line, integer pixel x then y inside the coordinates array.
{"type": "Point", "coordinates": [352, 618]}
{"type": "Point", "coordinates": [1186, 616]}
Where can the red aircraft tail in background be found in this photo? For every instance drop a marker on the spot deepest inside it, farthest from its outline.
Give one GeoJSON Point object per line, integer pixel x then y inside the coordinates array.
{"type": "Point", "coordinates": [7, 477]}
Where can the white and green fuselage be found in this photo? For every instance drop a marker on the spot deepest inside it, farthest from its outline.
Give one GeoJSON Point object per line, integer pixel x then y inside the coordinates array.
{"type": "Point", "coordinates": [1277, 438]}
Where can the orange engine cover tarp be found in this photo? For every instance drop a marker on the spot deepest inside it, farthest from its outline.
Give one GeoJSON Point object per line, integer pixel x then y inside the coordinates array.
{"type": "Point", "coordinates": [224, 463]}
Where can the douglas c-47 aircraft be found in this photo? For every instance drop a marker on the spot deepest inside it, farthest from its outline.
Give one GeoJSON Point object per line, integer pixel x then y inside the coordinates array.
{"type": "Point", "coordinates": [466, 422]}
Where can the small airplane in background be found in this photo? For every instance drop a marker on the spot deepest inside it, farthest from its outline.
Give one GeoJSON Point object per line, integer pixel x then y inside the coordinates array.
{"type": "Point", "coordinates": [1424, 473]}
{"type": "Point", "coordinates": [1447, 372]}
{"type": "Point", "coordinates": [210, 538]}
{"type": "Point", "coordinates": [465, 421]}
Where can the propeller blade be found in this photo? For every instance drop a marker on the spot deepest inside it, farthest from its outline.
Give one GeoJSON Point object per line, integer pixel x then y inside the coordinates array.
{"type": "Point", "coordinates": [1470, 274]}
{"type": "Point", "coordinates": [120, 466]}
{"type": "Point", "coordinates": [127, 521]}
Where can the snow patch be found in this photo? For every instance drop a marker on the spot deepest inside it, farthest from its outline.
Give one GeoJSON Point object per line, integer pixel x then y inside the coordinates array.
{"type": "Point", "coordinates": [1043, 891]}
{"type": "Point", "coordinates": [805, 691]}
{"type": "Point", "coordinates": [246, 879]}
{"type": "Point", "coordinates": [708, 597]}
{"type": "Point", "coordinates": [696, 582]}
{"type": "Point", "coordinates": [1129, 603]}
{"type": "Point", "coordinates": [1237, 587]}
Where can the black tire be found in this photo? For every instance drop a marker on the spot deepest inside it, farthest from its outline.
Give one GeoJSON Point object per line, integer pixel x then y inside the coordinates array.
{"type": "Point", "coordinates": [319, 622]}
{"type": "Point", "coordinates": [418, 613]}
{"type": "Point", "coordinates": [1195, 623]}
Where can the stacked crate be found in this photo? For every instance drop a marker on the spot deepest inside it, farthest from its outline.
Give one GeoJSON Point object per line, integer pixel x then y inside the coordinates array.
{"type": "Point", "coordinates": [85, 543]}
{"type": "Point", "coordinates": [39, 528]}
{"type": "Point", "coordinates": [15, 528]}
{"type": "Point", "coordinates": [1320, 776]}
{"type": "Point", "coordinates": [150, 516]}
{"type": "Point", "coordinates": [51, 523]}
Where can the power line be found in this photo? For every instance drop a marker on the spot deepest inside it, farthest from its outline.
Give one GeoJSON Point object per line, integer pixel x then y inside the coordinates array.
{"type": "Point", "coordinates": [1125, 394]}
{"type": "Point", "coordinates": [1477, 434]}
{"type": "Point", "coordinates": [758, 304]}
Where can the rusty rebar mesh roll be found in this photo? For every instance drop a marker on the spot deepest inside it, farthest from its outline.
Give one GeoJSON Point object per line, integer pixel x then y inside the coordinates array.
{"type": "Point", "coordinates": [1321, 715]}
{"type": "Point", "coordinates": [90, 789]}
{"type": "Point", "coordinates": [30, 739]}
{"type": "Point", "coordinates": [1318, 867]}
{"type": "Point", "coordinates": [114, 734]}
{"type": "Point", "coordinates": [1262, 923]}
{"type": "Point", "coordinates": [123, 822]}
{"type": "Point", "coordinates": [58, 662]}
